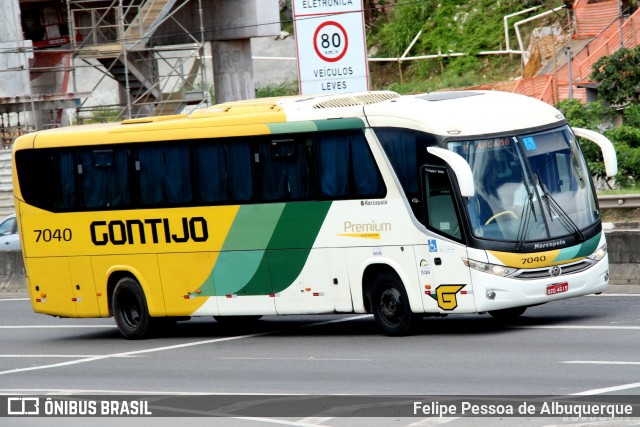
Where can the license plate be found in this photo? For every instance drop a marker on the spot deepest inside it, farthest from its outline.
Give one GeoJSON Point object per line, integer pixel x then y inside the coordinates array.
{"type": "Point", "coordinates": [557, 288]}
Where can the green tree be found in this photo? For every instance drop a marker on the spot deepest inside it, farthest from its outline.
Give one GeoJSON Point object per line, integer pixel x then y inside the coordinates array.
{"type": "Point", "coordinates": [625, 138]}
{"type": "Point", "coordinates": [618, 76]}
{"type": "Point", "coordinates": [588, 116]}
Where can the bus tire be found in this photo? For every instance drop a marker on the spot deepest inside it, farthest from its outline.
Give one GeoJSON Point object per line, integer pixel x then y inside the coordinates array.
{"type": "Point", "coordinates": [508, 313]}
{"type": "Point", "coordinates": [390, 306]}
{"type": "Point", "coordinates": [130, 310]}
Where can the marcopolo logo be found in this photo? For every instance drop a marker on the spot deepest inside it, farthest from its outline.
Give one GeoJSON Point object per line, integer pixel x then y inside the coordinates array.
{"type": "Point", "coordinates": [549, 245]}
{"type": "Point", "coordinates": [157, 230]}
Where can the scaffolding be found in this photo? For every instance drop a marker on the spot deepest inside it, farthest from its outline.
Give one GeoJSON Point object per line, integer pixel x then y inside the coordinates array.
{"type": "Point", "coordinates": [116, 39]}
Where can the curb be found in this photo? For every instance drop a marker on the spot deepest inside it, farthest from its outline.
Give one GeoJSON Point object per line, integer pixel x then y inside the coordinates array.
{"type": "Point", "coordinates": [614, 226]}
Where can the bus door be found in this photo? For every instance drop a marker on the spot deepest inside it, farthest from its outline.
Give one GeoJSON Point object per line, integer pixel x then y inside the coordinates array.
{"type": "Point", "coordinates": [446, 281]}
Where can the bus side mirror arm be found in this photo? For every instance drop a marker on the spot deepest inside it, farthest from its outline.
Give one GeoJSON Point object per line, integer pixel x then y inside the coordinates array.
{"type": "Point", "coordinates": [460, 168]}
{"type": "Point", "coordinates": [608, 152]}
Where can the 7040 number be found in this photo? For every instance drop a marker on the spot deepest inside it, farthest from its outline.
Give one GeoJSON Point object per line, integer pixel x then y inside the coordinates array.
{"type": "Point", "coordinates": [531, 260]}
{"type": "Point", "coordinates": [47, 235]}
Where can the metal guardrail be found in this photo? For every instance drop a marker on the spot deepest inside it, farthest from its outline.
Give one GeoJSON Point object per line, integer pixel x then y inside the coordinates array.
{"type": "Point", "coordinates": [619, 201]}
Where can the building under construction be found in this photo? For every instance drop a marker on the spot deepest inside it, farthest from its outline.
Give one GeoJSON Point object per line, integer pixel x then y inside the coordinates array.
{"type": "Point", "coordinates": [153, 49]}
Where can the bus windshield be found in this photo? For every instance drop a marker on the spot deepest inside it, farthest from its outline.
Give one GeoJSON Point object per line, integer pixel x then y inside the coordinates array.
{"type": "Point", "coordinates": [528, 187]}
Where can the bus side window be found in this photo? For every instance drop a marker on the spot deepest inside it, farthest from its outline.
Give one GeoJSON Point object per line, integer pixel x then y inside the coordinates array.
{"type": "Point", "coordinates": [223, 171]}
{"type": "Point", "coordinates": [104, 177]}
{"type": "Point", "coordinates": [65, 170]}
{"type": "Point", "coordinates": [47, 178]}
{"type": "Point", "coordinates": [285, 168]}
{"type": "Point", "coordinates": [407, 150]}
{"type": "Point", "coordinates": [346, 167]}
{"type": "Point", "coordinates": [164, 173]}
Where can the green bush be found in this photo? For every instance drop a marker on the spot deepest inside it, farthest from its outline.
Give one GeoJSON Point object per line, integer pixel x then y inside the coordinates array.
{"type": "Point", "coordinates": [282, 89]}
{"type": "Point", "coordinates": [450, 26]}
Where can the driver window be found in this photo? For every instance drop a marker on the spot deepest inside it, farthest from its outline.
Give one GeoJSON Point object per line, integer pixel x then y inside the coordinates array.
{"type": "Point", "coordinates": [441, 211]}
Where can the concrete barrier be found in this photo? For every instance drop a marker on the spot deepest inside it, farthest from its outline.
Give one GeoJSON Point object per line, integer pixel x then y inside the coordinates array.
{"type": "Point", "coordinates": [12, 276]}
{"type": "Point", "coordinates": [623, 245]}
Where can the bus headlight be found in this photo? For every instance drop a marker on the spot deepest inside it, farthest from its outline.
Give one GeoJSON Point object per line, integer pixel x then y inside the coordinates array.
{"type": "Point", "coordinates": [498, 270]}
{"type": "Point", "coordinates": [599, 253]}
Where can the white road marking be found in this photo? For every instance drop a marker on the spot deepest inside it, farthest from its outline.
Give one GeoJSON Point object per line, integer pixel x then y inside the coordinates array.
{"type": "Point", "coordinates": [316, 421]}
{"type": "Point", "coordinates": [607, 389]}
{"type": "Point", "coordinates": [592, 327]}
{"type": "Point", "coordinates": [73, 356]}
{"type": "Point", "coordinates": [614, 295]}
{"type": "Point", "coordinates": [600, 362]}
{"type": "Point", "coordinates": [282, 422]}
{"type": "Point", "coordinates": [433, 421]}
{"type": "Point", "coordinates": [15, 299]}
{"type": "Point", "coordinates": [170, 347]}
{"type": "Point", "coordinates": [56, 326]}
{"type": "Point", "coordinates": [310, 358]}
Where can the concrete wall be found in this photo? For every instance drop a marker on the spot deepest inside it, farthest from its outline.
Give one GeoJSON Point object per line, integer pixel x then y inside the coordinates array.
{"type": "Point", "coordinates": [12, 277]}
{"type": "Point", "coordinates": [623, 245]}
{"type": "Point", "coordinates": [222, 20]}
{"type": "Point", "coordinates": [624, 256]}
{"type": "Point", "coordinates": [6, 183]}
{"type": "Point", "coordinates": [14, 78]}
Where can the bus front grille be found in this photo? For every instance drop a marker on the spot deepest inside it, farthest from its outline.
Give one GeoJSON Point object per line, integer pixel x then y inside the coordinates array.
{"type": "Point", "coordinates": [541, 273]}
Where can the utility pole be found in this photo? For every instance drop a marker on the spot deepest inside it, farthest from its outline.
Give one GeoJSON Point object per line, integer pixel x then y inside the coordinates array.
{"type": "Point", "coordinates": [570, 73]}
{"type": "Point", "coordinates": [620, 23]}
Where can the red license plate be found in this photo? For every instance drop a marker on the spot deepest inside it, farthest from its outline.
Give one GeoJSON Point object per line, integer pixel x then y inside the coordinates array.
{"type": "Point", "coordinates": [557, 288]}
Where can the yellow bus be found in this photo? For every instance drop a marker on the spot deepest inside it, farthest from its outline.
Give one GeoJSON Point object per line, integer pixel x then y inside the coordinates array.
{"type": "Point", "coordinates": [400, 206]}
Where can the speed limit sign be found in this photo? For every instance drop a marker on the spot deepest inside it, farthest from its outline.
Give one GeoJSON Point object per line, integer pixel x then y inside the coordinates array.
{"type": "Point", "coordinates": [331, 46]}
{"type": "Point", "coordinates": [331, 41]}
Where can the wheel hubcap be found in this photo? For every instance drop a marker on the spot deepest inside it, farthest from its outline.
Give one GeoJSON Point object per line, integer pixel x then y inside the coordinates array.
{"type": "Point", "coordinates": [391, 305]}
{"type": "Point", "coordinates": [131, 310]}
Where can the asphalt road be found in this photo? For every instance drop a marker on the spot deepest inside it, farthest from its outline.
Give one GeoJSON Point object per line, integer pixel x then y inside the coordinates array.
{"type": "Point", "coordinates": [587, 346]}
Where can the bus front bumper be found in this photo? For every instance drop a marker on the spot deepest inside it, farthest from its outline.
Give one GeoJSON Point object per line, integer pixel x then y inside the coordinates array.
{"type": "Point", "coordinates": [495, 293]}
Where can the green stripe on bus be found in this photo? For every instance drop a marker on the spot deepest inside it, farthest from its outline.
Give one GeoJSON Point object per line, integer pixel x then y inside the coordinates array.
{"type": "Point", "coordinates": [274, 238]}
{"type": "Point", "coordinates": [316, 125]}
{"type": "Point", "coordinates": [340, 124]}
{"type": "Point", "coordinates": [579, 251]}
{"type": "Point", "coordinates": [293, 127]}
{"type": "Point", "coordinates": [242, 254]}
{"type": "Point", "coordinates": [290, 245]}
{"type": "Point", "coordinates": [253, 227]}
{"type": "Point", "coordinates": [299, 225]}
{"type": "Point", "coordinates": [235, 270]}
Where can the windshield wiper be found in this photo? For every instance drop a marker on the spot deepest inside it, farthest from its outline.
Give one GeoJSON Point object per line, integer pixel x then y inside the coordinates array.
{"type": "Point", "coordinates": [524, 223]}
{"type": "Point", "coordinates": [530, 208]}
{"type": "Point", "coordinates": [563, 218]}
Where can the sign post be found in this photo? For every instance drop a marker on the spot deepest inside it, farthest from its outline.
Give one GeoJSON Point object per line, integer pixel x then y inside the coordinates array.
{"type": "Point", "coordinates": [331, 46]}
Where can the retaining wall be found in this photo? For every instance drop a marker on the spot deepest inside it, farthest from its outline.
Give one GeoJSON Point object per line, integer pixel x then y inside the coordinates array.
{"type": "Point", "coordinates": [624, 256]}
{"type": "Point", "coordinates": [623, 246]}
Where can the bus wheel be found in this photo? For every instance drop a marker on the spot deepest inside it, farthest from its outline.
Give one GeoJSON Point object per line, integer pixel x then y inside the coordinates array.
{"type": "Point", "coordinates": [508, 313]}
{"type": "Point", "coordinates": [390, 306]}
{"type": "Point", "coordinates": [130, 310]}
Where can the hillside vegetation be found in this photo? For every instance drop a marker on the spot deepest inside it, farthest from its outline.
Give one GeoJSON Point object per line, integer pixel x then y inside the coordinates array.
{"type": "Point", "coordinates": [448, 26]}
